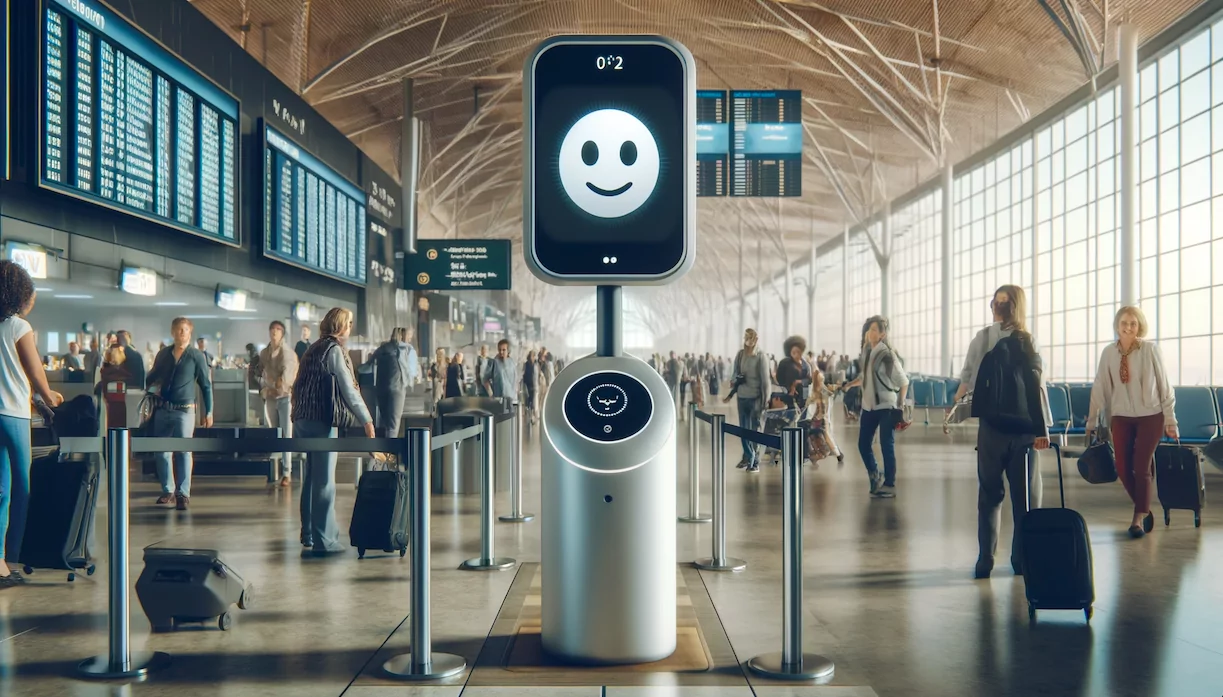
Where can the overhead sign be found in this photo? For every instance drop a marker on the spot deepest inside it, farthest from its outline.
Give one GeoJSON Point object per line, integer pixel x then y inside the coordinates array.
{"type": "Point", "coordinates": [126, 124]}
{"type": "Point", "coordinates": [458, 265]}
{"type": "Point", "coordinates": [138, 281]}
{"type": "Point", "coordinates": [232, 299]}
{"type": "Point", "coordinates": [766, 143]}
{"type": "Point", "coordinates": [712, 143]}
{"type": "Point", "coordinates": [610, 185]}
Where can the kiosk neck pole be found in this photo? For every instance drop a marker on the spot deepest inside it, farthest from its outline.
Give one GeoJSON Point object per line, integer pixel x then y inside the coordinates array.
{"type": "Point", "coordinates": [609, 340]}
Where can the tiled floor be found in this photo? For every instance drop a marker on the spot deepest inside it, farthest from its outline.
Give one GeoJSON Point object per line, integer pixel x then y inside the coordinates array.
{"type": "Point", "coordinates": [887, 588]}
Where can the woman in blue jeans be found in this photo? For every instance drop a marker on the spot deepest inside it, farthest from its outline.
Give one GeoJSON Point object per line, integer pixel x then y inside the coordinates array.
{"type": "Point", "coordinates": [884, 384]}
{"type": "Point", "coordinates": [20, 370]}
{"type": "Point", "coordinates": [325, 399]}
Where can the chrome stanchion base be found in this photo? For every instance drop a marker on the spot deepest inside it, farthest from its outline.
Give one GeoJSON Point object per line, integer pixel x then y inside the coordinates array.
{"type": "Point", "coordinates": [728, 564]}
{"type": "Point", "coordinates": [441, 665]}
{"type": "Point", "coordinates": [494, 564]}
{"type": "Point", "coordinates": [811, 667]}
{"type": "Point", "coordinates": [698, 519]}
{"type": "Point", "coordinates": [520, 518]}
{"type": "Point", "coordinates": [142, 663]}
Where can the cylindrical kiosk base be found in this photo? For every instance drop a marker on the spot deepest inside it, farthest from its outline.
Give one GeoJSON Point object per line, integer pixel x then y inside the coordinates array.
{"type": "Point", "coordinates": [608, 514]}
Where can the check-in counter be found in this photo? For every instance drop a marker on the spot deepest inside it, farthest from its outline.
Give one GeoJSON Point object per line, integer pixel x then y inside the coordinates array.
{"type": "Point", "coordinates": [230, 397]}
{"type": "Point", "coordinates": [70, 383]}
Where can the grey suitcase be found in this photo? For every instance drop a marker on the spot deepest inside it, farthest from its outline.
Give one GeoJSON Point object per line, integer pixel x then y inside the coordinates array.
{"type": "Point", "coordinates": [189, 585]}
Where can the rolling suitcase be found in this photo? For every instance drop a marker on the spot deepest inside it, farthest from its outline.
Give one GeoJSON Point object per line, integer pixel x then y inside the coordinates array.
{"type": "Point", "coordinates": [1057, 563]}
{"type": "Point", "coordinates": [59, 525]}
{"type": "Point", "coordinates": [381, 513]}
{"type": "Point", "coordinates": [1179, 481]}
{"type": "Point", "coordinates": [189, 585]}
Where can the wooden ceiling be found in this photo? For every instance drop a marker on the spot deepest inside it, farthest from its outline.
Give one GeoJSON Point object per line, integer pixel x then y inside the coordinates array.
{"type": "Point", "coordinates": [892, 88]}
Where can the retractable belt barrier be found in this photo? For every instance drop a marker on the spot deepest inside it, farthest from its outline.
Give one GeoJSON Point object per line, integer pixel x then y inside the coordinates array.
{"type": "Point", "coordinates": [414, 451]}
{"type": "Point", "coordinates": [694, 476]}
{"type": "Point", "coordinates": [718, 561]}
{"type": "Point", "coordinates": [791, 663]}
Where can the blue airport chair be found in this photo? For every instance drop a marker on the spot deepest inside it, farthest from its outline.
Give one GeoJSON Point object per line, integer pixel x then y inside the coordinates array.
{"type": "Point", "coordinates": [922, 396]}
{"type": "Point", "coordinates": [939, 396]}
{"type": "Point", "coordinates": [953, 386]}
{"type": "Point", "coordinates": [1197, 414]}
{"type": "Point", "coordinates": [1080, 403]}
{"type": "Point", "coordinates": [1219, 404]}
{"type": "Point", "coordinates": [1059, 409]}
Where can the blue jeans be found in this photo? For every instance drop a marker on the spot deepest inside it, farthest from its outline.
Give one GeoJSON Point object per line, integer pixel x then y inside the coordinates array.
{"type": "Point", "coordinates": [884, 421]}
{"type": "Point", "coordinates": [171, 423]}
{"type": "Point", "coordinates": [749, 418]}
{"type": "Point", "coordinates": [14, 484]}
{"type": "Point", "coordinates": [319, 528]}
{"type": "Point", "coordinates": [278, 411]}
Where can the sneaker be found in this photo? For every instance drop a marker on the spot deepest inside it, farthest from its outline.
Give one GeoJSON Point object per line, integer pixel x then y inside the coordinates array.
{"type": "Point", "coordinates": [181, 502]}
{"type": "Point", "coordinates": [753, 469]}
{"type": "Point", "coordinates": [885, 492]}
{"type": "Point", "coordinates": [743, 464]}
{"type": "Point", "coordinates": [876, 482]}
{"type": "Point", "coordinates": [165, 499]}
{"type": "Point", "coordinates": [285, 483]}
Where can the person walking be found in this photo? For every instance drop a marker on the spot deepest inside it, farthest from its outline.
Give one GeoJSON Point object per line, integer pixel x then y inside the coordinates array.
{"type": "Point", "coordinates": [530, 383]}
{"type": "Point", "coordinates": [793, 373]}
{"type": "Point", "coordinates": [21, 376]}
{"type": "Point", "coordinates": [396, 369]}
{"type": "Point", "coordinates": [304, 343]}
{"type": "Point", "coordinates": [502, 377]}
{"type": "Point", "coordinates": [1004, 457]}
{"type": "Point", "coordinates": [279, 372]}
{"type": "Point", "coordinates": [750, 385]}
{"type": "Point", "coordinates": [178, 371]}
{"type": "Point", "coordinates": [325, 399]}
{"type": "Point", "coordinates": [482, 367]}
{"type": "Point", "coordinates": [1132, 391]}
{"type": "Point", "coordinates": [884, 383]}
{"type": "Point", "coordinates": [133, 361]}
{"type": "Point", "coordinates": [437, 374]}
{"type": "Point", "coordinates": [456, 376]}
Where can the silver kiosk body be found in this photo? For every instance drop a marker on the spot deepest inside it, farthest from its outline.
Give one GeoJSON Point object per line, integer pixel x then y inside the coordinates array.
{"type": "Point", "coordinates": [609, 200]}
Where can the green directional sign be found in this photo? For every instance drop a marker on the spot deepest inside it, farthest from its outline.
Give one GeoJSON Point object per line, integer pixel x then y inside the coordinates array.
{"type": "Point", "coordinates": [458, 265]}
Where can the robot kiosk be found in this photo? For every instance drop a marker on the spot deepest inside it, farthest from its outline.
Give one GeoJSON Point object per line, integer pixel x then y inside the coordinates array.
{"type": "Point", "coordinates": [609, 200]}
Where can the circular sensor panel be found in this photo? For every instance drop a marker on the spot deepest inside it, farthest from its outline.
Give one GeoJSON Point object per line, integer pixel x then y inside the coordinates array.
{"type": "Point", "coordinates": [608, 406]}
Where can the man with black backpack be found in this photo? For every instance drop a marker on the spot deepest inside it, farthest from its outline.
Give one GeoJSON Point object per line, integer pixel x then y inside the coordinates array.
{"type": "Point", "coordinates": [1003, 370]}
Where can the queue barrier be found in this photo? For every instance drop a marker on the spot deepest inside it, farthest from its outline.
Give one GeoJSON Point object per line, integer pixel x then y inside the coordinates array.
{"type": "Point", "coordinates": [694, 475]}
{"type": "Point", "coordinates": [414, 451]}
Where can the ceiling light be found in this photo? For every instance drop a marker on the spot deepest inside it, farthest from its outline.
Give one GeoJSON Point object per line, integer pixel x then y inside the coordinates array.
{"type": "Point", "coordinates": [74, 297]}
{"type": "Point", "coordinates": [44, 290]}
{"type": "Point", "coordinates": [170, 304]}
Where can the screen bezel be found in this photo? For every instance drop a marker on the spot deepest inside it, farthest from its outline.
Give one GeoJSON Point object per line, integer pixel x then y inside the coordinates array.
{"type": "Point", "coordinates": [688, 253]}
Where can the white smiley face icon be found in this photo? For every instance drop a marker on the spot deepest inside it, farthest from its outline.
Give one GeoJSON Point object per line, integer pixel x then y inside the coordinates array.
{"type": "Point", "coordinates": [609, 163]}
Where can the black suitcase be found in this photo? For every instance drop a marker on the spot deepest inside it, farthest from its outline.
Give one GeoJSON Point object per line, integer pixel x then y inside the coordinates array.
{"type": "Point", "coordinates": [381, 513]}
{"type": "Point", "coordinates": [59, 525]}
{"type": "Point", "coordinates": [189, 585]}
{"type": "Point", "coordinates": [1057, 564]}
{"type": "Point", "coordinates": [1179, 481]}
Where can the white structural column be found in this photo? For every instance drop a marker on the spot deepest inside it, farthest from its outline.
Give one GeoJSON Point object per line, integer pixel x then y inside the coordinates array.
{"type": "Point", "coordinates": [844, 309]}
{"type": "Point", "coordinates": [788, 302]}
{"type": "Point", "coordinates": [1128, 77]}
{"type": "Point", "coordinates": [1034, 291]}
{"type": "Point", "coordinates": [885, 262]}
{"type": "Point", "coordinates": [948, 218]}
{"type": "Point", "coordinates": [759, 292]}
{"type": "Point", "coordinates": [742, 290]}
{"type": "Point", "coordinates": [811, 281]}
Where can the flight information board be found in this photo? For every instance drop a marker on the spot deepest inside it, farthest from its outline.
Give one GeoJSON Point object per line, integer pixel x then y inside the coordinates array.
{"type": "Point", "coordinates": [126, 124]}
{"type": "Point", "coordinates": [312, 217]}
{"type": "Point", "coordinates": [712, 143]}
{"type": "Point", "coordinates": [766, 143]}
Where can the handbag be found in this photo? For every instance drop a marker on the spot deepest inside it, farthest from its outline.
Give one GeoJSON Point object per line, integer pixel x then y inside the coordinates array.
{"type": "Point", "coordinates": [1098, 464]}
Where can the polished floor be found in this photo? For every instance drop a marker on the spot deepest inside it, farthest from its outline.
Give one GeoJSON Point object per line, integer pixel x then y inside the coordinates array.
{"type": "Point", "coordinates": [888, 596]}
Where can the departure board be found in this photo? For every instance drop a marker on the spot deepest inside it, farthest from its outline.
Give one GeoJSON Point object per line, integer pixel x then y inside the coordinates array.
{"type": "Point", "coordinates": [766, 143]}
{"type": "Point", "coordinates": [712, 143]}
{"type": "Point", "coordinates": [128, 125]}
{"type": "Point", "coordinates": [312, 217]}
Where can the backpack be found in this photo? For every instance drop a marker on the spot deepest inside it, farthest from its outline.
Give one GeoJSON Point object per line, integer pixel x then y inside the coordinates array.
{"type": "Point", "coordinates": [1007, 392]}
{"type": "Point", "coordinates": [386, 363]}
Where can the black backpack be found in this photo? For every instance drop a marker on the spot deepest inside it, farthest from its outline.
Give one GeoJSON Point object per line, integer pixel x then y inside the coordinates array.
{"type": "Point", "coordinates": [1007, 392]}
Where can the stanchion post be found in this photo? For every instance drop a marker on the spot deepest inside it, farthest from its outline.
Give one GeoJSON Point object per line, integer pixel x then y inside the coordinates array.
{"type": "Point", "coordinates": [791, 663]}
{"type": "Point", "coordinates": [119, 661]}
{"type": "Point", "coordinates": [487, 561]}
{"type": "Point", "coordinates": [717, 447]}
{"type": "Point", "coordinates": [694, 473]}
{"type": "Point", "coordinates": [421, 663]}
{"type": "Point", "coordinates": [516, 515]}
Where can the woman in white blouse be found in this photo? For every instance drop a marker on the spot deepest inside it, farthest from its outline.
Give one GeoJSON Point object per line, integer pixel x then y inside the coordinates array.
{"type": "Point", "coordinates": [1132, 391]}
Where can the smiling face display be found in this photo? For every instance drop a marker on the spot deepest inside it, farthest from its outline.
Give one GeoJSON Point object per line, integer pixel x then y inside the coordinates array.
{"type": "Point", "coordinates": [607, 400]}
{"type": "Point", "coordinates": [609, 163]}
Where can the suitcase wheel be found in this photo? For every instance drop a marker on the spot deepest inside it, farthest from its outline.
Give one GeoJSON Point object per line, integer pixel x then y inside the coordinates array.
{"type": "Point", "coordinates": [71, 577]}
{"type": "Point", "coordinates": [1088, 612]}
{"type": "Point", "coordinates": [1197, 519]}
{"type": "Point", "coordinates": [1031, 612]}
{"type": "Point", "coordinates": [245, 600]}
{"type": "Point", "coordinates": [360, 552]}
{"type": "Point", "coordinates": [225, 621]}
{"type": "Point", "coordinates": [402, 552]}
{"type": "Point", "coordinates": [90, 569]}
{"type": "Point", "coordinates": [27, 569]}
{"type": "Point", "coordinates": [1167, 517]}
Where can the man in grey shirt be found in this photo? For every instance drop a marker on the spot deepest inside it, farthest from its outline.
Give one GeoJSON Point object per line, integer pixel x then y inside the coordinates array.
{"type": "Point", "coordinates": [501, 378]}
{"type": "Point", "coordinates": [750, 384]}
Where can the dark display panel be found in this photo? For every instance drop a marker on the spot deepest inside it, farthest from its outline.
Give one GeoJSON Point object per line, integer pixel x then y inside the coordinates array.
{"type": "Point", "coordinates": [312, 217]}
{"type": "Point", "coordinates": [712, 143]}
{"type": "Point", "coordinates": [766, 143]}
{"type": "Point", "coordinates": [5, 140]}
{"type": "Point", "coordinates": [130, 126]}
{"type": "Point", "coordinates": [608, 406]}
